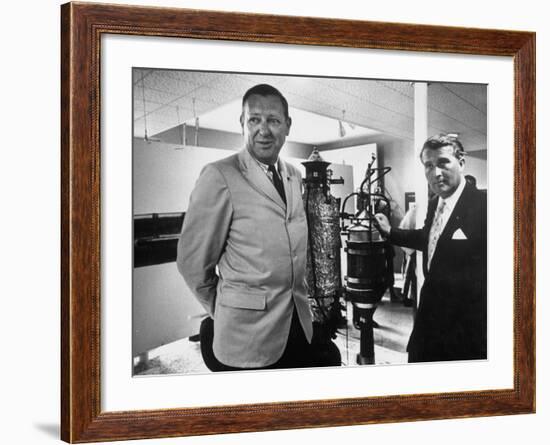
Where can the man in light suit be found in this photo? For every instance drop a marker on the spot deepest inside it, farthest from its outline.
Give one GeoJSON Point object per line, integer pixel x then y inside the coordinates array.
{"type": "Point", "coordinates": [246, 219]}
{"type": "Point", "coordinates": [451, 322]}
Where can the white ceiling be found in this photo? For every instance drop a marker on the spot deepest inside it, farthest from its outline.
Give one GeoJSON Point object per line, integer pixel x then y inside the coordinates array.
{"type": "Point", "coordinates": [371, 106]}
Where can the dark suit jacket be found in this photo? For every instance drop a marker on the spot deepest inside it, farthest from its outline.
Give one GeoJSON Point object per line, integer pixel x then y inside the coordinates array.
{"type": "Point", "coordinates": [451, 322]}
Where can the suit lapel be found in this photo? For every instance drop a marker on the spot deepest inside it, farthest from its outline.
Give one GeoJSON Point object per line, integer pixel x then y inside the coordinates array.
{"type": "Point", "coordinates": [432, 205]}
{"type": "Point", "coordinates": [458, 213]}
{"type": "Point", "coordinates": [453, 223]}
{"type": "Point", "coordinates": [258, 179]}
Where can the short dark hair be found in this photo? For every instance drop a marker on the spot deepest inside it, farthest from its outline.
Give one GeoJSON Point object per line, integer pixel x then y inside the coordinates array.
{"type": "Point", "coordinates": [263, 89]}
{"type": "Point", "coordinates": [444, 140]}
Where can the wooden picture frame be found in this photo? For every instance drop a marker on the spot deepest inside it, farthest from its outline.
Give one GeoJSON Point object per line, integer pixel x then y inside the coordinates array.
{"type": "Point", "coordinates": [82, 26]}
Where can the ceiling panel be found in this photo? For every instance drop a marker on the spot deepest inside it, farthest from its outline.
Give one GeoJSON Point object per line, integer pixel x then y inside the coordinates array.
{"type": "Point", "coordinates": [455, 108]}
{"type": "Point", "coordinates": [383, 105]}
{"type": "Point", "coordinates": [474, 94]}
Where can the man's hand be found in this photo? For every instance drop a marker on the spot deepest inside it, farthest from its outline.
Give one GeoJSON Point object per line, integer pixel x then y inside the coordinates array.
{"type": "Point", "coordinates": [383, 223]}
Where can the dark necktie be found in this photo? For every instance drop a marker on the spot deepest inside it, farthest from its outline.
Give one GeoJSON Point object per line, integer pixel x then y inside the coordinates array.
{"type": "Point", "coordinates": [277, 182]}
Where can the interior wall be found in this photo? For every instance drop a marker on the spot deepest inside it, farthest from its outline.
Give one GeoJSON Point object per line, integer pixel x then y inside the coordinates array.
{"type": "Point", "coordinates": [399, 155]}
{"type": "Point", "coordinates": [226, 141]}
{"type": "Point", "coordinates": [163, 176]}
{"type": "Point", "coordinates": [478, 169]}
{"type": "Point", "coordinates": [163, 307]}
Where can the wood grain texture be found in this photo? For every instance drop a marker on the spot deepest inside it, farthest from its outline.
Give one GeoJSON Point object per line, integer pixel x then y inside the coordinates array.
{"type": "Point", "coordinates": [82, 26]}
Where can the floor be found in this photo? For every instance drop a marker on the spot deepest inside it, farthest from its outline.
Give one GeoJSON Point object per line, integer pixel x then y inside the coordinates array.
{"type": "Point", "coordinates": [390, 341]}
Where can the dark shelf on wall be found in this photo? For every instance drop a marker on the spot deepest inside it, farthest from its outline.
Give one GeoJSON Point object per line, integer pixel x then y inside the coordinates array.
{"type": "Point", "coordinates": [156, 238]}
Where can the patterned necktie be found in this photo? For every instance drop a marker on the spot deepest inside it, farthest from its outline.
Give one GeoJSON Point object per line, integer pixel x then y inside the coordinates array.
{"type": "Point", "coordinates": [435, 231]}
{"type": "Point", "coordinates": [277, 182]}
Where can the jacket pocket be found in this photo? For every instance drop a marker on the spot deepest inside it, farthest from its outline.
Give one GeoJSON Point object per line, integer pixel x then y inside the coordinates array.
{"type": "Point", "coordinates": [243, 300]}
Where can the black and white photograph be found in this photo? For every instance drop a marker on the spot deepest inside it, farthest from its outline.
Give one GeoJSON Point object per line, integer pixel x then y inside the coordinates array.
{"type": "Point", "coordinates": [285, 221]}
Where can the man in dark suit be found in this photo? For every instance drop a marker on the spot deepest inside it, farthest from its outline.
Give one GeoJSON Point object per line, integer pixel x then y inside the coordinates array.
{"type": "Point", "coordinates": [451, 322]}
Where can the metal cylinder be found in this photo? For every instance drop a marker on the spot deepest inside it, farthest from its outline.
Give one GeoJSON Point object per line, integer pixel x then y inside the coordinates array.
{"type": "Point", "coordinates": [323, 270]}
{"type": "Point", "coordinates": [324, 242]}
{"type": "Point", "coordinates": [369, 259]}
{"type": "Point", "coordinates": [367, 276]}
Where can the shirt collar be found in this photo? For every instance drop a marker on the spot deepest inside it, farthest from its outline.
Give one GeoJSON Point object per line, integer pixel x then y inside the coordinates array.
{"type": "Point", "coordinates": [265, 167]}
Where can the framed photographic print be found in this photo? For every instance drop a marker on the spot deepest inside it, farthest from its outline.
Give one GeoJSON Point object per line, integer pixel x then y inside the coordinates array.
{"type": "Point", "coordinates": [182, 254]}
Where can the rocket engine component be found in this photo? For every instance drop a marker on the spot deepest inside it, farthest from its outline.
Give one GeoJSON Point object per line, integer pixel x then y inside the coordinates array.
{"type": "Point", "coordinates": [369, 259]}
{"type": "Point", "coordinates": [324, 243]}
{"type": "Point", "coordinates": [367, 269]}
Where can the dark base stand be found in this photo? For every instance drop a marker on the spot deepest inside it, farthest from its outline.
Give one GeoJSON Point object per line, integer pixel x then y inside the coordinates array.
{"type": "Point", "coordinates": [366, 329]}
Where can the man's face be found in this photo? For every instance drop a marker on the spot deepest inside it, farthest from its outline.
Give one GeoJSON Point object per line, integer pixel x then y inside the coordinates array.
{"type": "Point", "coordinates": [265, 127]}
{"type": "Point", "coordinates": [443, 170]}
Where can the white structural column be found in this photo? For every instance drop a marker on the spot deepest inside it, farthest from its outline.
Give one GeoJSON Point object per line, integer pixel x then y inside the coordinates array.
{"type": "Point", "coordinates": [421, 187]}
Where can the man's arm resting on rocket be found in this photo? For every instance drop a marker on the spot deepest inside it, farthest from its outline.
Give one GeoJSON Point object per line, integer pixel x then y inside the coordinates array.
{"type": "Point", "coordinates": [204, 233]}
{"type": "Point", "coordinates": [413, 239]}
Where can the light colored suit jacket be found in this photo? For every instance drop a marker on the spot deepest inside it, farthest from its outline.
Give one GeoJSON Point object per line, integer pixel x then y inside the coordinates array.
{"type": "Point", "coordinates": [237, 222]}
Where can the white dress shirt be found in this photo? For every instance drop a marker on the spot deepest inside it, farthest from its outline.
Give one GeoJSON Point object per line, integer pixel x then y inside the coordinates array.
{"type": "Point", "coordinates": [449, 205]}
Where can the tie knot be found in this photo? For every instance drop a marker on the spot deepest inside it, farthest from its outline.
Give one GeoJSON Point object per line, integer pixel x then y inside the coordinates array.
{"type": "Point", "coordinates": [271, 168]}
